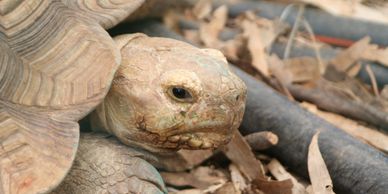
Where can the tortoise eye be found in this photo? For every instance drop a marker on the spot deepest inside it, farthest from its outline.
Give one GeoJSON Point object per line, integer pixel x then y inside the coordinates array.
{"type": "Point", "coordinates": [180, 94]}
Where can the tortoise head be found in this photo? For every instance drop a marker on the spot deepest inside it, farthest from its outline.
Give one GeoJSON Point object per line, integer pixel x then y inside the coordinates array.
{"type": "Point", "coordinates": [170, 95]}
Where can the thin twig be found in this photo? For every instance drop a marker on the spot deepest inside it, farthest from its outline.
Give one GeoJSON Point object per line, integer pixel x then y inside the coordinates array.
{"type": "Point", "coordinates": [286, 11]}
{"type": "Point", "coordinates": [293, 31]}
{"type": "Point", "coordinates": [372, 80]}
{"type": "Point", "coordinates": [315, 46]}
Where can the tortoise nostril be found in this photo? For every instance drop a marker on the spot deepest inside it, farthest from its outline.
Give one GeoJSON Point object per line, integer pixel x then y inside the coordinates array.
{"type": "Point", "coordinates": [237, 97]}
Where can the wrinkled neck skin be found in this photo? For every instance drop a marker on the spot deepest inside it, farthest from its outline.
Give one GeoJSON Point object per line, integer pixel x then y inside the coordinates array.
{"type": "Point", "coordinates": [144, 109]}
{"type": "Point", "coordinates": [106, 117]}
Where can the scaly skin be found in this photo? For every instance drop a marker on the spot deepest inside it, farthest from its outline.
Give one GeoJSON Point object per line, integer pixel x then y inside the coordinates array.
{"type": "Point", "coordinates": [141, 110]}
{"type": "Point", "coordinates": [57, 63]}
{"type": "Point", "coordinates": [104, 165]}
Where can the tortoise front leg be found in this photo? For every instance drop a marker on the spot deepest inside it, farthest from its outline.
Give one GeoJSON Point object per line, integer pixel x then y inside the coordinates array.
{"type": "Point", "coordinates": [104, 165]}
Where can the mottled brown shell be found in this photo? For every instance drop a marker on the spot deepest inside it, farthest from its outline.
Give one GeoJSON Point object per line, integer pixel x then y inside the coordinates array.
{"type": "Point", "coordinates": [56, 65]}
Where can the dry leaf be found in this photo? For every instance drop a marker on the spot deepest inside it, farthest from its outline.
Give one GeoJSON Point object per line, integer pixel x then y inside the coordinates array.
{"type": "Point", "coordinates": [238, 179]}
{"type": "Point", "coordinates": [192, 36]}
{"type": "Point", "coordinates": [239, 152]}
{"type": "Point", "coordinates": [202, 9]}
{"type": "Point", "coordinates": [280, 173]}
{"type": "Point", "coordinates": [384, 92]}
{"type": "Point", "coordinates": [183, 159]}
{"type": "Point", "coordinates": [284, 77]}
{"type": "Point", "coordinates": [348, 8]}
{"type": "Point", "coordinates": [302, 69]}
{"type": "Point", "coordinates": [347, 57]}
{"type": "Point", "coordinates": [170, 19]}
{"type": "Point", "coordinates": [372, 78]}
{"type": "Point", "coordinates": [227, 188]}
{"type": "Point", "coordinates": [270, 30]}
{"type": "Point", "coordinates": [354, 70]}
{"type": "Point", "coordinates": [278, 69]}
{"type": "Point", "coordinates": [188, 191]}
{"type": "Point", "coordinates": [232, 48]}
{"type": "Point", "coordinates": [210, 31]}
{"type": "Point", "coordinates": [274, 187]}
{"type": "Point", "coordinates": [319, 175]}
{"type": "Point", "coordinates": [260, 34]}
{"type": "Point", "coordinates": [201, 178]}
{"type": "Point", "coordinates": [371, 136]}
{"type": "Point", "coordinates": [373, 53]}
{"type": "Point", "coordinates": [256, 47]}
{"type": "Point", "coordinates": [182, 179]}
{"type": "Point", "coordinates": [309, 189]}
{"type": "Point", "coordinates": [209, 175]}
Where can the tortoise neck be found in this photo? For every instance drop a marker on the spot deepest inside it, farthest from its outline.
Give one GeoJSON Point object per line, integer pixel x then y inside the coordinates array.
{"type": "Point", "coordinates": [98, 120]}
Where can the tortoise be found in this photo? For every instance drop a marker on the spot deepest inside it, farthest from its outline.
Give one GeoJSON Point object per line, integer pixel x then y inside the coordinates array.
{"type": "Point", "coordinates": [155, 95]}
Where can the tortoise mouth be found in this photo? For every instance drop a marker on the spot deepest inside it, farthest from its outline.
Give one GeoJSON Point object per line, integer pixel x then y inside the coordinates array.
{"type": "Point", "coordinates": [208, 134]}
{"type": "Point", "coordinates": [189, 140]}
{"type": "Point", "coordinates": [199, 140]}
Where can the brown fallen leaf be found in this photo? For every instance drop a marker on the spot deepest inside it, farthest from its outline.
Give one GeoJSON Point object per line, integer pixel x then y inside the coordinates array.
{"type": "Point", "coordinates": [384, 92]}
{"type": "Point", "coordinates": [189, 191]}
{"type": "Point", "coordinates": [170, 19]}
{"type": "Point", "coordinates": [260, 33]}
{"type": "Point", "coordinates": [374, 53]}
{"type": "Point", "coordinates": [371, 136]}
{"type": "Point", "coordinates": [192, 36]}
{"type": "Point", "coordinates": [209, 31]}
{"type": "Point", "coordinates": [372, 78]}
{"type": "Point", "coordinates": [344, 95]}
{"type": "Point", "coordinates": [284, 77]}
{"type": "Point", "coordinates": [347, 57]}
{"type": "Point", "coordinates": [214, 188]}
{"type": "Point", "coordinates": [261, 140]}
{"type": "Point", "coordinates": [232, 48]}
{"type": "Point", "coordinates": [256, 47]}
{"type": "Point", "coordinates": [277, 69]}
{"type": "Point", "coordinates": [209, 175]}
{"type": "Point", "coordinates": [319, 175]}
{"type": "Point", "coordinates": [302, 69]}
{"type": "Point", "coordinates": [238, 179]}
{"type": "Point", "coordinates": [180, 179]}
{"type": "Point", "coordinates": [227, 188]}
{"type": "Point", "coordinates": [273, 187]}
{"type": "Point", "coordinates": [354, 70]}
{"type": "Point", "coordinates": [202, 9]}
{"type": "Point", "coordinates": [202, 178]}
{"type": "Point", "coordinates": [352, 9]}
{"type": "Point", "coordinates": [182, 160]}
{"type": "Point", "coordinates": [309, 189]}
{"type": "Point", "coordinates": [280, 173]}
{"type": "Point", "coordinates": [239, 152]}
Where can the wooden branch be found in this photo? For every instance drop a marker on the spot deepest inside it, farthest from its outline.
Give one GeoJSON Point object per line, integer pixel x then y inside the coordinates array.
{"type": "Point", "coordinates": [331, 99]}
{"type": "Point", "coordinates": [261, 140]}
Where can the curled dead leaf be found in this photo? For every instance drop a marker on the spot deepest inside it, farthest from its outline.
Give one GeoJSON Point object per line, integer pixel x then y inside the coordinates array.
{"type": "Point", "coordinates": [209, 31]}
{"type": "Point", "coordinates": [319, 175]}
{"type": "Point", "coordinates": [347, 57]}
{"type": "Point", "coordinates": [202, 9]}
{"type": "Point", "coordinates": [352, 9]}
{"type": "Point", "coordinates": [280, 173]}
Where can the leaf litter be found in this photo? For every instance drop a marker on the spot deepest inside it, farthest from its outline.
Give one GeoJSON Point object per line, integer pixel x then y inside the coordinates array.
{"type": "Point", "coordinates": [247, 41]}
